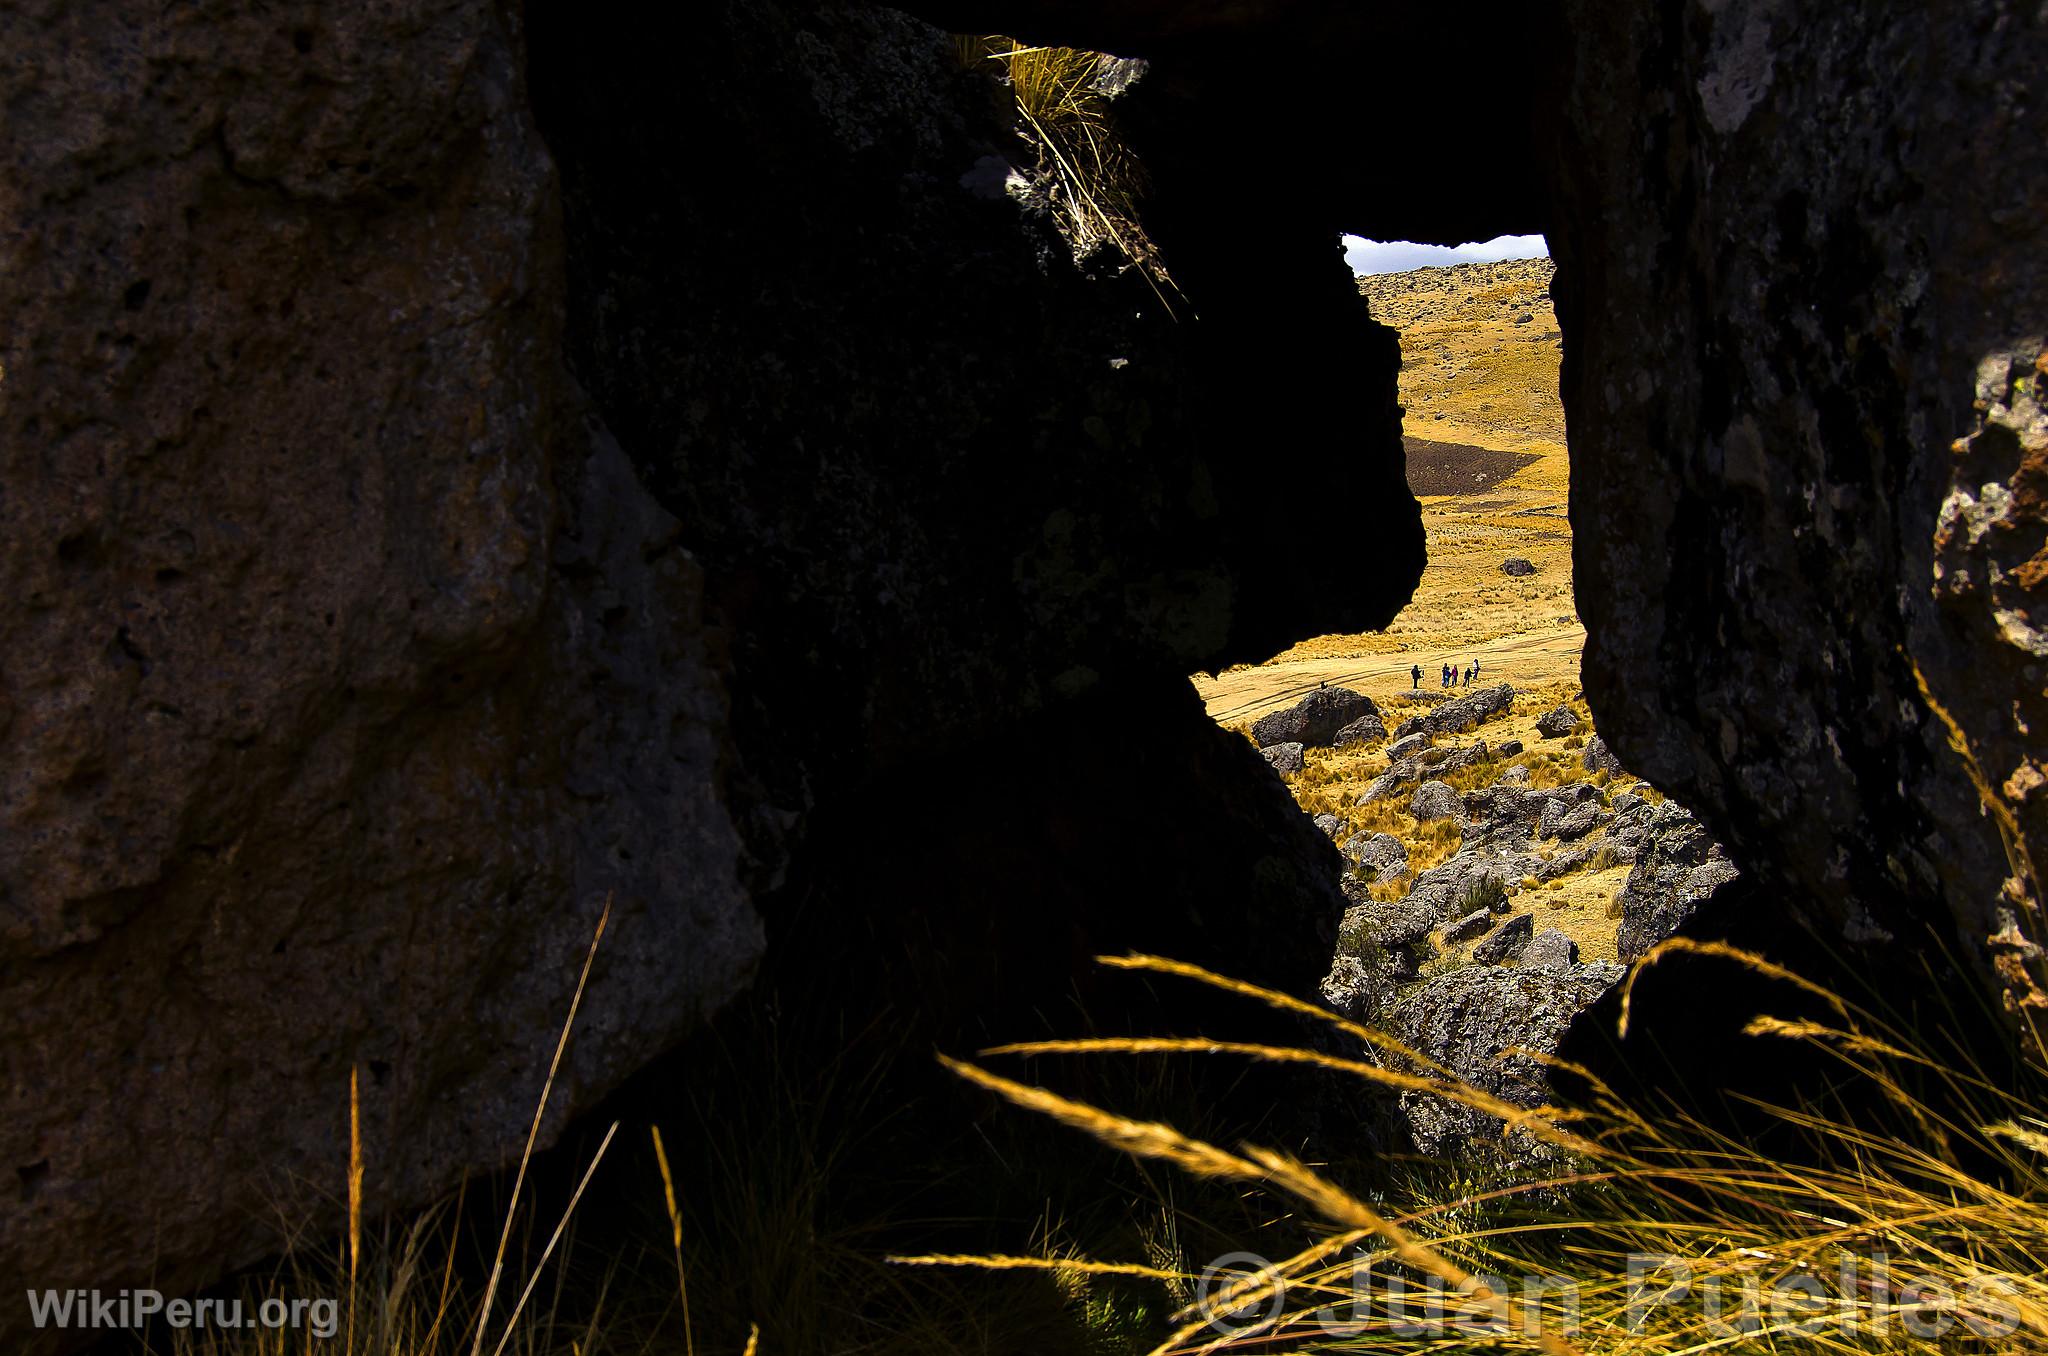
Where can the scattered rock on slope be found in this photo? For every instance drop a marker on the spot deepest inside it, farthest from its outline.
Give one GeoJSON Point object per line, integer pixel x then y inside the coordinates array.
{"type": "Point", "coordinates": [1315, 719]}
{"type": "Point", "coordinates": [1518, 567]}
{"type": "Point", "coordinates": [1557, 722]}
{"type": "Point", "coordinates": [1462, 714]}
{"type": "Point", "coordinates": [1435, 800]}
{"type": "Point", "coordinates": [1285, 758]}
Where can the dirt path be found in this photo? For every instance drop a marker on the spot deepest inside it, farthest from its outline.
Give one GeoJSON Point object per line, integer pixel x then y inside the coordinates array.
{"type": "Point", "coordinates": [1532, 659]}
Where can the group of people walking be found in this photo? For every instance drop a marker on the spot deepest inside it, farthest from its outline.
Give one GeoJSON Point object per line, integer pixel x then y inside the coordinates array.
{"type": "Point", "coordinates": [1448, 676]}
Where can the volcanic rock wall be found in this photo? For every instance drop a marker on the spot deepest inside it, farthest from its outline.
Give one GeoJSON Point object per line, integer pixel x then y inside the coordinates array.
{"type": "Point", "coordinates": [351, 657]}
{"type": "Point", "coordinates": [1798, 258]}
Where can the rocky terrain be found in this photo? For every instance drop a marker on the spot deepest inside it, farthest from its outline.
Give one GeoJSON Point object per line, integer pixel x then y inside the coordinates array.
{"type": "Point", "coordinates": [1502, 866]}
{"type": "Point", "coordinates": [1501, 869]}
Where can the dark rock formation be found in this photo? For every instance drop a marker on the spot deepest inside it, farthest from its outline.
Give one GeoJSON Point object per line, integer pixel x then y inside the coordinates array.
{"type": "Point", "coordinates": [1507, 941]}
{"type": "Point", "coordinates": [1317, 719]}
{"type": "Point", "coordinates": [1557, 722]}
{"type": "Point", "coordinates": [1463, 713]}
{"type": "Point", "coordinates": [1364, 730]}
{"type": "Point", "coordinates": [1678, 867]}
{"type": "Point", "coordinates": [348, 666]}
{"type": "Point", "coordinates": [1468, 1020]}
{"type": "Point", "coordinates": [1435, 800]}
{"type": "Point", "coordinates": [1549, 950]}
{"type": "Point", "coordinates": [1516, 565]}
{"type": "Point", "coordinates": [1379, 853]}
{"type": "Point", "coordinates": [1797, 256]}
{"type": "Point", "coordinates": [1597, 757]}
{"type": "Point", "coordinates": [352, 664]}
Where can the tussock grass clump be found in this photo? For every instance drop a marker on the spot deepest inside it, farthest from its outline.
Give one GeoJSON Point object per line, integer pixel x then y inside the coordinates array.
{"type": "Point", "coordinates": [1921, 1229]}
{"type": "Point", "coordinates": [1092, 180]}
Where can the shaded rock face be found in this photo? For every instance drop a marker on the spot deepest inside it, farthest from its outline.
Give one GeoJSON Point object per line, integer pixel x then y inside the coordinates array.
{"type": "Point", "coordinates": [1470, 1020]}
{"type": "Point", "coordinates": [1677, 869]}
{"type": "Point", "coordinates": [353, 654]}
{"type": "Point", "coordinates": [348, 667]}
{"type": "Point", "coordinates": [1798, 257]}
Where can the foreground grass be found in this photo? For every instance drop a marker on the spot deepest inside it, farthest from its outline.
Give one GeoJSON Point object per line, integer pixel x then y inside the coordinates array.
{"type": "Point", "coordinates": [1926, 1232]}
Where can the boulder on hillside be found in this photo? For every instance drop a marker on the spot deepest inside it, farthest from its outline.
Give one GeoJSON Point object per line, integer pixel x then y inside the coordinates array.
{"type": "Point", "coordinates": [1507, 942]}
{"type": "Point", "coordinates": [1364, 730]}
{"type": "Point", "coordinates": [1468, 1020]}
{"type": "Point", "coordinates": [1463, 713]}
{"type": "Point", "coordinates": [1284, 758]}
{"type": "Point", "coordinates": [1678, 867]}
{"type": "Point", "coordinates": [1518, 566]}
{"type": "Point", "coordinates": [1599, 758]}
{"type": "Point", "coordinates": [1549, 949]}
{"type": "Point", "coordinates": [1473, 924]}
{"type": "Point", "coordinates": [1408, 746]}
{"type": "Point", "coordinates": [1380, 853]}
{"type": "Point", "coordinates": [1436, 800]}
{"type": "Point", "coordinates": [1315, 719]}
{"type": "Point", "coordinates": [1329, 824]}
{"type": "Point", "coordinates": [1357, 988]}
{"type": "Point", "coordinates": [1557, 722]}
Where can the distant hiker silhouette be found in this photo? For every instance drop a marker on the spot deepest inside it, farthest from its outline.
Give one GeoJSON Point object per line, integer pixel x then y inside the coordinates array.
{"type": "Point", "coordinates": [1415, 675]}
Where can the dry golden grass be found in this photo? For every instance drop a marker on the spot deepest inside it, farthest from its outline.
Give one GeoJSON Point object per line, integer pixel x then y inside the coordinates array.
{"type": "Point", "coordinates": [1953, 1194]}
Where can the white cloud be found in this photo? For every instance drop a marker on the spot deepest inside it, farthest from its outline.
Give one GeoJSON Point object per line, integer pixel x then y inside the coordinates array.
{"type": "Point", "coordinates": [1399, 256]}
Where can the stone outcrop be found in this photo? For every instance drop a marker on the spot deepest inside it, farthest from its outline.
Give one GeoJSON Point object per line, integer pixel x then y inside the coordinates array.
{"type": "Point", "coordinates": [348, 666]}
{"type": "Point", "coordinates": [1319, 718]}
{"type": "Point", "coordinates": [1678, 867]}
{"type": "Point", "coordinates": [430, 512]}
{"type": "Point", "coordinates": [1462, 713]}
{"type": "Point", "coordinates": [1470, 1020]}
{"type": "Point", "coordinates": [1820, 275]}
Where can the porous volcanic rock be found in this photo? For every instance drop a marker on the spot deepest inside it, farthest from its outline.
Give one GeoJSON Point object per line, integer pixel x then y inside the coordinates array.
{"type": "Point", "coordinates": [1806, 479]}
{"type": "Point", "coordinates": [1677, 868]}
{"type": "Point", "coordinates": [1467, 1020]}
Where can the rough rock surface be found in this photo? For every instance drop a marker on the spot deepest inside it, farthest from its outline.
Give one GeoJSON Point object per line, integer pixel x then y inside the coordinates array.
{"type": "Point", "coordinates": [1557, 722]}
{"type": "Point", "coordinates": [1381, 853]}
{"type": "Point", "coordinates": [1283, 758]}
{"type": "Point", "coordinates": [1435, 800]}
{"type": "Point", "coordinates": [1316, 719]}
{"type": "Point", "coordinates": [1678, 867]}
{"type": "Point", "coordinates": [1516, 565]}
{"type": "Point", "coordinates": [1550, 950]}
{"type": "Point", "coordinates": [1365, 730]}
{"type": "Point", "coordinates": [1844, 209]}
{"type": "Point", "coordinates": [1507, 941]}
{"type": "Point", "coordinates": [1462, 713]}
{"type": "Point", "coordinates": [350, 662]}
{"type": "Point", "coordinates": [1465, 1020]}
{"type": "Point", "coordinates": [1597, 757]}
{"type": "Point", "coordinates": [348, 665]}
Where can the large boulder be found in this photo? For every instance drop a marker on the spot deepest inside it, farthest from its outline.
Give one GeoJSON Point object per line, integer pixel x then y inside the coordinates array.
{"type": "Point", "coordinates": [1678, 867]}
{"type": "Point", "coordinates": [356, 652]}
{"type": "Point", "coordinates": [1470, 1020]}
{"type": "Point", "coordinates": [1284, 759]}
{"type": "Point", "coordinates": [1435, 800]}
{"type": "Point", "coordinates": [1316, 719]}
{"type": "Point", "coordinates": [1557, 722]}
{"type": "Point", "coordinates": [350, 664]}
{"type": "Point", "coordinates": [1462, 713]}
{"type": "Point", "coordinates": [1807, 461]}
{"type": "Point", "coordinates": [1506, 942]}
